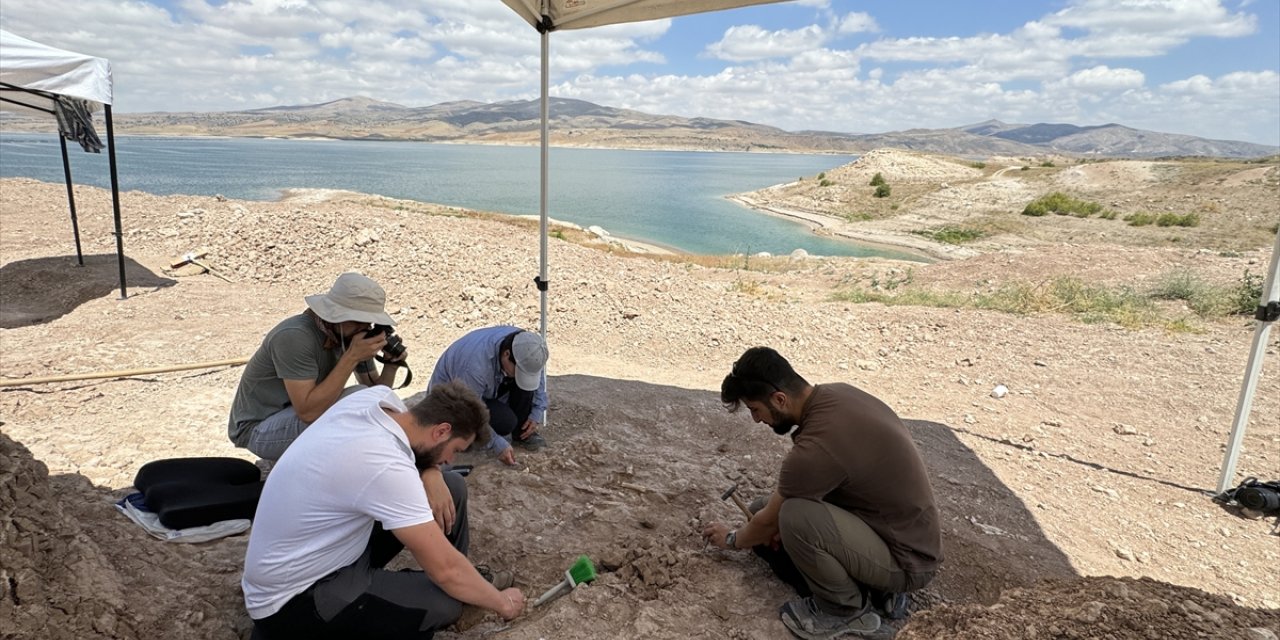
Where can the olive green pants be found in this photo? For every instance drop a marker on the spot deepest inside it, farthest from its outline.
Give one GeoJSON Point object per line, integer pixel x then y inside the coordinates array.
{"type": "Point", "coordinates": [838, 554]}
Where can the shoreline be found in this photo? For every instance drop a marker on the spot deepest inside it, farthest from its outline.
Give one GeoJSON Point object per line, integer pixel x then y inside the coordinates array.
{"type": "Point", "coordinates": [604, 236]}
{"type": "Point", "coordinates": [926, 249]}
{"type": "Point", "coordinates": [459, 141]}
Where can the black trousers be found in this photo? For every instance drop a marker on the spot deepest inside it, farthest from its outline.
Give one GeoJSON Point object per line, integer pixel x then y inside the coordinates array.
{"type": "Point", "coordinates": [509, 411]}
{"type": "Point", "coordinates": [364, 600]}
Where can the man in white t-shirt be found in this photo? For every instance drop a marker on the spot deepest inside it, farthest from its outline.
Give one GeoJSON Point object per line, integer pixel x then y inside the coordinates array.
{"type": "Point", "coordinates": [343, 500]}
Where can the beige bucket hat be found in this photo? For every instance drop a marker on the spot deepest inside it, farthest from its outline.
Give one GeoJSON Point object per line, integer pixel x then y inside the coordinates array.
{"type": "Point", "coordinates": [352, 297]}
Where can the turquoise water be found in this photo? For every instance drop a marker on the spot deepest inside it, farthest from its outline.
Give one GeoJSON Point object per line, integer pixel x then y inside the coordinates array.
{"type": "Point", "coordinates": [670, 198]}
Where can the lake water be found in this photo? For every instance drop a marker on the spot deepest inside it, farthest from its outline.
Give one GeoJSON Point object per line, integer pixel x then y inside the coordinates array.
{"type": "Point", "coordinates": [669, 198]}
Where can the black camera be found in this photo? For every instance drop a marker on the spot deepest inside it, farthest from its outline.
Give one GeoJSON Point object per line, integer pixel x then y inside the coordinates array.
{"type": "Point", "coordinates": [394, 348]}
{"type": "Point", "coordinates": [1263, 497]}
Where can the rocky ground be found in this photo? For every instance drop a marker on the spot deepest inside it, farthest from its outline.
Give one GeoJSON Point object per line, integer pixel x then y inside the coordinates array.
{"type": "Point", "coordinates": [1074, 506]}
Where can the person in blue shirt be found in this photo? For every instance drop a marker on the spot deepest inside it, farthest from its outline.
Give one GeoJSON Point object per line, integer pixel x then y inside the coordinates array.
{"type": "Point", "coordinates": [505, 366]}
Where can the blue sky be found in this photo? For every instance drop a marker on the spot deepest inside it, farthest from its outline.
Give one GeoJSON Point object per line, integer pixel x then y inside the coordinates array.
{"type": "Point", "coordinates": [1209, 68]}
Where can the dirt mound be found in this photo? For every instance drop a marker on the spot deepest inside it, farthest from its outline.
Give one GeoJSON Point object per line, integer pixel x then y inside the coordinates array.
{"type": "Point", "coordinates": [1102, 607]}
{"type": "Point", "coordinates": [896, 165]}
{"type": "Point", "coordinates": [1117, 173]}
{"type": "Point", "coordinates": [70, 567]}
{"type": "Point", "coordinates": [54, 578]}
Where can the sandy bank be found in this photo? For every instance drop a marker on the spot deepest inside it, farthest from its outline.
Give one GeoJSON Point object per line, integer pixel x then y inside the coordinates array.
{"type": "Point", "coordinates": [828, 225]}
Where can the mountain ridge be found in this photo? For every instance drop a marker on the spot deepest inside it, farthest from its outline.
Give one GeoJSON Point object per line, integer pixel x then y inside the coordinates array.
{"type": "Point", "coordinates": [585, 124]}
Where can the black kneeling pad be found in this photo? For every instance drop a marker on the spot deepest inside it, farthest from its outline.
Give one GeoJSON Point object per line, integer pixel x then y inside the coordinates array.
{"type": "Point", "coordinates": [193, 492]}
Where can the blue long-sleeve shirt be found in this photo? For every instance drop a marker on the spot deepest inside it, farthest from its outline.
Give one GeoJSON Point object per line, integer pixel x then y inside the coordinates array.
{"type": "Point", "coordinates": [474, 360]}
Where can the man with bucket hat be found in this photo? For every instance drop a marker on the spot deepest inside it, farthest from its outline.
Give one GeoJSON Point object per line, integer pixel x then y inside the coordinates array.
{"type": "Point", "coordinates": [505, 366]}
{"type": "Point", "coordinates": [302, 367]}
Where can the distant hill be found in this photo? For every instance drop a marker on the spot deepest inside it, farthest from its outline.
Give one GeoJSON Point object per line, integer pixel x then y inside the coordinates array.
{"type": "Point", "coordinates": [1115, 140]}
{"type": "Point", "coordinates": [584, 124]}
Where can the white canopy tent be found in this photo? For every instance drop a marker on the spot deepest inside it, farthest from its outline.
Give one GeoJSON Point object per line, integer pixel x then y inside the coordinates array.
{"type": "Point", "coordinates": [553, 15]}
{"type": "Point", "coordinates": [69, 87]}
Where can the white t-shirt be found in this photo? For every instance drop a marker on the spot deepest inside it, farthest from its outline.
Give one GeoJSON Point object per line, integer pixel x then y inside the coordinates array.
{"type": "Point", "coordinates": [351, 467]}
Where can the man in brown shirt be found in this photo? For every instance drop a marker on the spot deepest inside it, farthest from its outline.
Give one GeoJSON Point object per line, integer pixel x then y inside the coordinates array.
{"type": "Point", "coordinates": [852, 524]}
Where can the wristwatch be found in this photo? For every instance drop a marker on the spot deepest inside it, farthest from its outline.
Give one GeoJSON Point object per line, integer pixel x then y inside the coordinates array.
{"type": "Point", "coordinates": [731, 539]}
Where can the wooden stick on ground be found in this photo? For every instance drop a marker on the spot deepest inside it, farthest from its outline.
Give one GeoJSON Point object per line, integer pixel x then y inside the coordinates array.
{"type": "Point", "coordinates": [22, 382]}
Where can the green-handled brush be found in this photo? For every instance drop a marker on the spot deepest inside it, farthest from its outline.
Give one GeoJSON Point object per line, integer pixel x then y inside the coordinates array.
{"type": "Point", "coordinates": [582, 572]}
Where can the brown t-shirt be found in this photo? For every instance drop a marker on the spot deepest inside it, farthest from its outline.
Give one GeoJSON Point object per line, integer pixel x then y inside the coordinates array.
{"type": "Point", "coordinates": [853, 451]}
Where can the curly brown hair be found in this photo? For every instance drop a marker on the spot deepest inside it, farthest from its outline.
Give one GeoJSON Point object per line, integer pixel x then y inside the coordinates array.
{"type": "Point", "coordinates": [456, 404]}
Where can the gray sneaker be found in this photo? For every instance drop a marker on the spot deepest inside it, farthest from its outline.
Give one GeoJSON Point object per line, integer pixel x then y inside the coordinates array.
{"type": "Point", "coordinates": [532, 443]}
{"type": "Point", "coordinates": [889, 605]}
{"type": "Point", "coordinates": [499, 578]}
{"type": "Point", "coordinates": [803, 618]}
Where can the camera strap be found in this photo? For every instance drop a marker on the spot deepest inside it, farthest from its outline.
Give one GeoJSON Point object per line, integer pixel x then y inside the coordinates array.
{"type": "Point", "coordinates": [408, 378]}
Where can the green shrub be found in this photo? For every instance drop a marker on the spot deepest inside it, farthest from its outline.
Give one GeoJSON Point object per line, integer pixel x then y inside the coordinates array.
{"type": "Point", "coordinates": [877, 180]}
{"type": "Point", "coordinates": [1047, 163]}
{"type": "Point", "coordinates": [952, 234]}
{"type": "Point", "coordinates": [978, 165]}
{"type": "Point", "coordinates": [1109, 214]}
{"type": "Point", "coordinates": [825, 183]}
{"type": "Point", "coordinates": [1208, 300]}
{"type": "Point", "coordinates": [1085, 301]}
{"type": "Point", "coordinates": [822, 176]}
{"type": "Point", "coordinates": [1025, 168]}
{"type": "Point", "coordinates": [1201, 297]}
{"type": "Point", "coordinates": [1246, 294]}
{"type": "Point", "coordinates": [883, 191]}
{"type": "Point", "coordinates": [1089, 303]}
{"type": "Point", "coordinates": [1140, 219]}
{"type": "Point", "coordinates": [1061, 204]}
{"type": "Point", "coordinates": [1175, 220]}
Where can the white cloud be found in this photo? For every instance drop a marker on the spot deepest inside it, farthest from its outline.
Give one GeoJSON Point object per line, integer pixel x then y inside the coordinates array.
{"type": "Point", "coordinates": [857, 23]}
{"type": "Point", "coordinates": [1197, 85]}
{"type": "Point", "coordinates": [1102, 78]}
{"type": "Point", "coordinates": [1086, 63]}
{"type": "Point", "coordinates": [1141, 28]}
{"type": "Point", "coordinates": [750, 42]}
{"type": "Point", "coordinates": [1177, 18]}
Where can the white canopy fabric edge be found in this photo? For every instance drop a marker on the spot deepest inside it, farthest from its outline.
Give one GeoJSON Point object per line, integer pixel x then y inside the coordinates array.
{"type": "Point", "coordinates": [30, 65]}
{"type": "Point", "coordinates": [581, 14]}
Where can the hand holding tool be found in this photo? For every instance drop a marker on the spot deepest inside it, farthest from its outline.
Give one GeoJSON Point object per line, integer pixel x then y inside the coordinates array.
{"type": "Point", "coordinates": [732, 492]}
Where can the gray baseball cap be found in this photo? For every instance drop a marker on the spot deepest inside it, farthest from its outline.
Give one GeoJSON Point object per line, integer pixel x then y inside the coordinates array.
{"type": "Point", "coordinates": [529, 351]}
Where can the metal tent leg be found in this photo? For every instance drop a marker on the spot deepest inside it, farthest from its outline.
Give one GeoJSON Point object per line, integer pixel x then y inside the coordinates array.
{"type": "Point", "coordinates": [115, 198]}
{"type": "Point", "coordinates": [71, 199]}
{"type": "Point", "coordinates": [1270, 295]}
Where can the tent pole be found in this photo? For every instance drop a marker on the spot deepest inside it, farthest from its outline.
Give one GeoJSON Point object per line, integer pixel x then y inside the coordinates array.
{"type": "Point", "coordinates": [544, 30]}
{"type": "Point", "coordinates": [542, 185]}
{"type": "Point", "coordinates": [71, 199]}
{"type": "Point", "coordinates": [1270, 296]}
{"type": "Point", "coordinates": [115, 197]}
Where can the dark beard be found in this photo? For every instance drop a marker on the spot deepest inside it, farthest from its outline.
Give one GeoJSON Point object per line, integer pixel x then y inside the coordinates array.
{"type": "Point", "coordinates": [783, 423]}
{"type": "Point", "coordinates": [424, 460]}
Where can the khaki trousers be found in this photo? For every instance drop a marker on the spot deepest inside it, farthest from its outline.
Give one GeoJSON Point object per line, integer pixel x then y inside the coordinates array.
{"type": "Point", "coordinates": [838, 554]}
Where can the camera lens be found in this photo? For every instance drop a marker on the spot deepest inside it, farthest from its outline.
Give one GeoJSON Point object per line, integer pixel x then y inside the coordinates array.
{"type": "Point", "coordinates": [394, 347]}
{"type": "Point", "coordinates": [1259, 499]}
